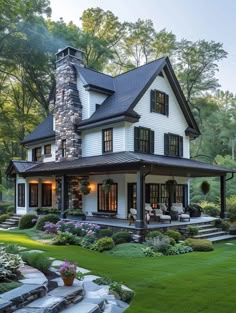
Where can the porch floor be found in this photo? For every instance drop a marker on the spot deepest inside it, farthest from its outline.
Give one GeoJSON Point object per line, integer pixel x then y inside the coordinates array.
{"type": "Point", "coordinates": [124, 223]}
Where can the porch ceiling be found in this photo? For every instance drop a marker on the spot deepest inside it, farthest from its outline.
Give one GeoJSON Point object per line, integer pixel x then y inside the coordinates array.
{"type": "Point", "coordinates": [125, 162]}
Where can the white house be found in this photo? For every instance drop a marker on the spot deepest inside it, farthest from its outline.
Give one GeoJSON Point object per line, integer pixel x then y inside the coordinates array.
{"type": "Point", "coordinates": [134, 129]}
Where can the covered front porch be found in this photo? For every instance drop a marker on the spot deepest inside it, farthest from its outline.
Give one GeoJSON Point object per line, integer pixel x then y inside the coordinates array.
{"type": "Point", "coordinates": [124, 168]}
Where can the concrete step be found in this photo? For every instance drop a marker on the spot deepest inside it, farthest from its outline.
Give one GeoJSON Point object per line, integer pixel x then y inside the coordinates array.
{"type": "Point", "coordinates": [222, 238]}
{"type": "Point", "coordinates": [5, 226]}
{"type": "Point", "coordinates": [210, 235]}
{"type": "Point", "coordinates": [208, 230]}
{"type": "Point", "coordinates": [9, 223]}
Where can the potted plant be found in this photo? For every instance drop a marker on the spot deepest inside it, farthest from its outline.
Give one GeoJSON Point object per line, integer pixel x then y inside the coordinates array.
{"type": "Point", "coordinates": [194, 210]}
{"type": "Point", "coordinates": [75, 214]}
{"type": "Point", "coordinates": [68, 272]}
{"type": "Point", "coordinates": [84, 187]}
{"type": "Point", "coordinates": [171, 186]}
{"type": "Point", "coordinates": [205, 187]}
{"type": "Point", "coordinates": [107, 184]}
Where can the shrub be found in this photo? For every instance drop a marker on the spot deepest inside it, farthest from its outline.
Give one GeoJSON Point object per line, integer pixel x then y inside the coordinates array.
{"type": "Point", "coordinates": [4, 217]}
{"type": "Point", "coordinates": [231, 207]}
{"type": "Point", "coordinates": [105, 243]}
{"type": "Point", "coordinates": [107, 232]}
{"type": "Point", "coordinates": [121, 293]}
{"type": "Point", "coordinates": [12, 248]}
{"type": "Point", "coordinates": [159, 244]}
{"type": "Point", "coordinates": [64, 238]}
{"type": "Point", "coordinates": [199, 244]}
{"type": "Point", "coordinates": [149, 252]}
{"type": "Point", "coordinates": [179, 248]}
{"type": "Point", "coordinates": [88, 241]}
{"type": "Point", "coordinates": [194, 210]}
{"type": "Point", "coordinates": [222, 224]}
{"type": "Point", "coordinates": [46, 218]}
{"type": "Point", "coordinates": [154, 233]}
{"type": "Point", "coordinates": [9, 264]}
{"type": "Point", "coordinates": [6, 207]}
{"type": "Point", "coordinates": [174, 234]}
{"type": "Point", "coordinates": [27, 221]}
{"type": "Point", "coordinates": [192, 230]}
{"type": "Point", "coordinates": [103, 281]}
{"type": "Point", "coordinates": [121, 237]}
{"type": "Point", "coordinates": [38, 260]}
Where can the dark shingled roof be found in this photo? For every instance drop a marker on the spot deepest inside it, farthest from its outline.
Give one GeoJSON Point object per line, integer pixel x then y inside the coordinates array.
{"type": "Point", "coordinates": [20, 166]}
{"type": "Point", "coordinates": [129, 87]}
{"type": "Point", "coordinates": [42, 131]}
{"type": "Point", "coordinates": [95, 78]}
{"type": "Point", "coordinates": [160, 164]}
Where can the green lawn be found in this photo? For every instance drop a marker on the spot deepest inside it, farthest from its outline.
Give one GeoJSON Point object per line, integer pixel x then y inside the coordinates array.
{"type": "Point", "coordinates": [189, 283]}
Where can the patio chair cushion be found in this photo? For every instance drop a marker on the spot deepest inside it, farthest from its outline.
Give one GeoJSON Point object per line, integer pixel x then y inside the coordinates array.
{"type": "Point", "coordinates": [158, 212]}
{"type": "Point", "coordinates": [183, 217]}
{"type": "Point", "coordinates": [163, 207]}
{"type": "Point", "coordinates": [177, 209]}
{"type": "Point", "coordinates": [165, 218]}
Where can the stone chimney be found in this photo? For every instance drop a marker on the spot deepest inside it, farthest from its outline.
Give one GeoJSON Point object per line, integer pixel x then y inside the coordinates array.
{"type": "Point", "coordinates": [68, 108]}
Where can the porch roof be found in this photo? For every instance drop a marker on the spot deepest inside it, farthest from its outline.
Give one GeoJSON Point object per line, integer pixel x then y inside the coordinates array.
{"type": "Point", "coordinates": [121, 162]}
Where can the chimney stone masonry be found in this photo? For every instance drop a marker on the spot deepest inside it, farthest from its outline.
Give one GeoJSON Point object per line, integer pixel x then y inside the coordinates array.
{"type": "Point", "coordinates": [68, 108]}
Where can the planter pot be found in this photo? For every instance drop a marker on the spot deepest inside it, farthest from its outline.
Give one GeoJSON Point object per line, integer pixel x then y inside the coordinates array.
{"type": "Point", "coordinates": [76, 217]}
{"type": "Point", "coordinates": [68, 281]}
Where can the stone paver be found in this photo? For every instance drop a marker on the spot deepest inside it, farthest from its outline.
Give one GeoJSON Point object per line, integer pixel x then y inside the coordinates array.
{"type": "Point", "coordinates": [64, 291]}
{"type": "Point", "coordinates": [99, 301]}
{"type": "Point", "coordinates": [4, 305]}
{"type": "Point", "coordinates": [57, 263]}
{"type": "Point", "coordinates": [31, 310]}
{"type": "Point", "coordinates": [49, 302]}
{"type": "Point", "coordinates": [83, 307]}
{"type": "Point", "coordinates": [90, 277]}
{"type": "Point", "coordinates": [82, 270]}
{"type": "Point", "coordinates": [18, 292]}
{"type": "Point", "coordinates": [90, 286]}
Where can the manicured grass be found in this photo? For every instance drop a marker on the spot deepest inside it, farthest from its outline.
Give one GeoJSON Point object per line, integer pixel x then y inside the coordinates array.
{"type": "Point", "coordinates": [189, 283]}
{"type": "Point", "coordinates": [128, 250]}
{"type": "Point", "coordinates": [4, 287]}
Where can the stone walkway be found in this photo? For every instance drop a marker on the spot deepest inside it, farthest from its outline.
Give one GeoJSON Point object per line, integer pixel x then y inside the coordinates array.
{"type": "Point", "coordinates": [84, 296]}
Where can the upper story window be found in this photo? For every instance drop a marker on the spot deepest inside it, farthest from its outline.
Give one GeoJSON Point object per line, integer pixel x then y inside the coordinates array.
{"type": "Point", "coordinates": [173, 145]}
{"type": "Point", "coordinates": [36, 154]}
{"type": "Point", "coordinates": [107, 140]}
{"type": "Point", "coordinates": [47, 150]}
{"type": "Point", "coordinates": [63, 148]}
{"type": "Point", "coordinates": [143, 140]}
{"type": "Point", "coordinates": [159, 102]}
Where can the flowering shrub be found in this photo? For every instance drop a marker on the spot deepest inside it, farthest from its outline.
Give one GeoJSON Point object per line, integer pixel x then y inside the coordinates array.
{"type": "Point", "coordinates": [68, 269]}
{"type": "Point", "coordinates": [73, 227]}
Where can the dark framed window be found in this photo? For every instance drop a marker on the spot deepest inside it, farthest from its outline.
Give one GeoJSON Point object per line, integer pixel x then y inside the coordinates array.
{"type": "Point", "coordinates": [108, 201]}
{"type": "Point", "coordinates": [46, 194]}
{"type": "Point", "coordinates": [21, 195]}
{"type": "Point", "coordinates": [33, 195]}
{"type": "Point", "coordinates": [173, 145]}
{"type": "Point", "coordinates": [63, 148]}
{"type": "Point", "coordinates": [152, 194]}
{"type": "Point", "coordinates": [164, 197]}
{"type": "Point", "coordinates": [132, 196]}
{"type": "Point", "coordinates": [36, 154]}
{"type": "Point", "coordinates": [143, 140]}
{"type": "Point", "coordinates": [107, 140]}
{"type": "Point", "coordinates": [47, 150]}
{"type": "Point", "coordinates": [180, 194]}
{"type": "Point", "coordinates": [159, 102]}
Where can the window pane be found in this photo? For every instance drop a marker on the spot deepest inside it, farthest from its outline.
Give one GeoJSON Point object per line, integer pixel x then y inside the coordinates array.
{"type": "Point", "coordinates": [159, 102]}
{"type": "Point", "coordinates": [154, 194]}
{"type": "Point", "coordinates": [46, 194]}
{"type": "Point", "coordinates": [107, 140]}
{"type": "Point", "coordinates": [144, 140]}
{"type": "Point", "coordinates": [47, 149]}
{"type": "Point", "coordinates": [33, 195]}
{"type": "Point", "coordinates": [107, 201]}
{"type": "Point", "coordinates": [21, 195]}
{"type": "Point", "coordinates": [174, 145]}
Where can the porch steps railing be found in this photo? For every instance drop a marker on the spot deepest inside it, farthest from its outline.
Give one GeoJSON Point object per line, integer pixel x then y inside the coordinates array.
{"type": "Point", "coordinates": [12, 221]}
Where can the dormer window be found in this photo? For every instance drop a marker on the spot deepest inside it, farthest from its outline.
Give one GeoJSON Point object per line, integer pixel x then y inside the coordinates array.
{"type": "Point", "coordinates": [36, 154]}
{"type": "Point", "coordinates": [159, 102]}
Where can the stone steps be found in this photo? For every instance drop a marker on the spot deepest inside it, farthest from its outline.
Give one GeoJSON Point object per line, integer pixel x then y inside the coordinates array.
{"type": "Point", "coordinates": [222, 238]}
{"type": "Point", "coordinates": [12, 221]}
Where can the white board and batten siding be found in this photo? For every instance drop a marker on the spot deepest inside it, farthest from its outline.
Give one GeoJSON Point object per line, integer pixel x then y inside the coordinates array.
{"type": "Point", "coordinates": [174, 123]}
{"type": "Point", "coordinates": [88, 99]}
{"type": "Point", "coordinates": [92, 140]}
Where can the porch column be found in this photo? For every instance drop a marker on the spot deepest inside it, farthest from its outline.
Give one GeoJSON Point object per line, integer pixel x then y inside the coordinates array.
{"type": "Point", "coordinates": [64, 195]}
{"type": "Point", "coordinates": [222, 196]}
{"type": "Point", "coordinates": [140, 200]}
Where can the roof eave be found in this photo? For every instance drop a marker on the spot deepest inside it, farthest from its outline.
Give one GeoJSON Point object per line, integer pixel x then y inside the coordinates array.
{"type": "Point", "coordinates": [38, 140]}
{"type": "Point", "coordinates": [104, 91]}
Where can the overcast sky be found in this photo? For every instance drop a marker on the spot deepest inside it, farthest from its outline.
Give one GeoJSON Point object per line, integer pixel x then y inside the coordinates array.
{"type": "Point", "coordinates": [189, 19]}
